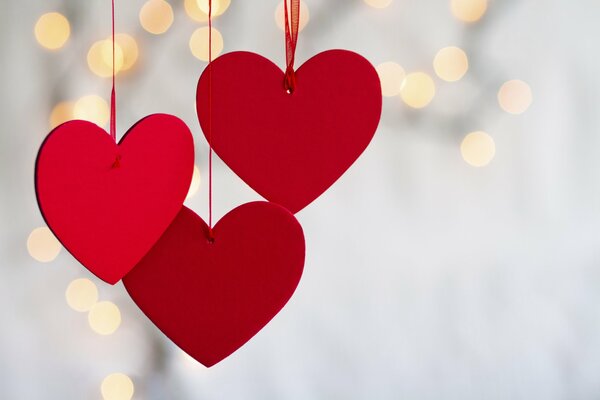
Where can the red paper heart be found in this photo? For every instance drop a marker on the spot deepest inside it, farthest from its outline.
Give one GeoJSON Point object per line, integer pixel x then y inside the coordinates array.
{"type": "Point", "coordinates": [289, 147]}
{"type": "Point", "coordinates": [108, 203]}
{"type": "Point", "coordinates": [211, 297]}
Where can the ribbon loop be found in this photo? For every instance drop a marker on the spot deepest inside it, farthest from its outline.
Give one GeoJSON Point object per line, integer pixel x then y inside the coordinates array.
{"type": "Point", "coordinates": [292, 23]}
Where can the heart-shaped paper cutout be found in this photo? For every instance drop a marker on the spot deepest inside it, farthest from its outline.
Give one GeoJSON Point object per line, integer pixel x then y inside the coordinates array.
{"type": "Point", "coordinates": [212, 297]}
{"type": "Point", "coordinates": [289, 147]}
{"type": "Point", "coordinates": [107, 203]}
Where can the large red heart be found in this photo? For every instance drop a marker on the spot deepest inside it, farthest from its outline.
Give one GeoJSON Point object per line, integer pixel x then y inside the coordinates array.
{"type": "Point", "coordinates": [211, 297]}
{"type": "Point", "coordinates": [289, 147]}
{"type": "Point", "coordinates": [107, 203]}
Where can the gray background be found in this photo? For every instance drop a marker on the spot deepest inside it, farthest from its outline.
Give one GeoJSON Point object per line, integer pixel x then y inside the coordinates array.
{"type": "Point", "coordinates": [425, 278]}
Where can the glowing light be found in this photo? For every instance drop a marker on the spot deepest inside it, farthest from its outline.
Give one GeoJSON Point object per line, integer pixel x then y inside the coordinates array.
{"type": "Point", "coordinates": [378, 3]}
{"type": "Point", "coordinates": [62, 112]}
{"type": "Point", "coordinates": [391, 76]}
{"type": "Point", "coordinates": [195, 12]}
{"type": "Point", "coordinates": [417, 90]}
{"type": "Point", "coordinates": [450, 63]}
{"type": "Point", "coordinates": [92, 108]}
{"type": "Point", "coordinates": [199, 43]}
{"type": "Point", "coordinates": [99, 58]}
{"type": "Point", "coordinates": [129, 51]}
{"type": "Point", "coordinates": [81, 294]}
{"type": "Point", "coordinates": [478, 149]}
{"type": "Point", "coordinates": [195, 185]}
{"type": "Point", "coordinates": [515, 96]}
{"type": "Point", "coordinates": [117, 386]}
{"type": "Point", "coordinates": [468, 10]}
{"type": "Point", "coordinates": [52, 30]}
{"type": "Point", "coordinates": [280, 16]}
{"type": "Point", "coordinates": [104, 318]}
{"type": "Point", "coordinates": [156, 16]}
{"type": "Point", "coordinates": [42, 245]}
{"type": "Point", "coordinates": [218, 6]}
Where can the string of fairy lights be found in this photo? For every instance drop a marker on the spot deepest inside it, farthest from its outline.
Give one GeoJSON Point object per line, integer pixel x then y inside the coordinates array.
{"type": "Point", "coordinates": [416, 89]}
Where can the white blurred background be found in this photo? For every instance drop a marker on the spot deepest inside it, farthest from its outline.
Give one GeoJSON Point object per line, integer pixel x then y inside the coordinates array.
{"type": "Point", "coordinates": [441, 266]}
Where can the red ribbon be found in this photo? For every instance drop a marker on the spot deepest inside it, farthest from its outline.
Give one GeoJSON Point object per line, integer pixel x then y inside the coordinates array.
{"type": "Point", "coordinates": [292, 22]}
{"type": "Point", "coordinates": [113, 100]}
{"type": "Point", "coordinates": [210, 150]}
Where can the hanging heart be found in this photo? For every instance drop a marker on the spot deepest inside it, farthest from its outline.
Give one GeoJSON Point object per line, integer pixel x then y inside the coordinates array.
{"type": "Point", "coordinates": [289, 147]}
{"type": "Point", "coordinates": [107, 203]}
{"type": "Point", "coordinates": [211, 297]}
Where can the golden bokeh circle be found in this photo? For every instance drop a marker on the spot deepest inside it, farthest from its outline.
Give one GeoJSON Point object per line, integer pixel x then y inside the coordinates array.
{"type": "Point", "coordinates": [478, 149]}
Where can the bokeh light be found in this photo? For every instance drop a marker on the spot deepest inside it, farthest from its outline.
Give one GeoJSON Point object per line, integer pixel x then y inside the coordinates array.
{"type": "Point", "coordinates": [104, 318]}
{"type": "Point", "coordinates": [468, 10]}
{"type": "Point", "coordinates": [194, 11]}
{"type": "Point", "coordinates": [92, 108]}
{"type": "Point", "coordinates": [378, 3]}
{"type": "Point", "coordinates": [52, 30]}
{"type": "Point", "coordinates": [417, 90]}
{"type": "Point", "coordinates": [478, 149]}
{"type": "Point", "coordinates": [156, 16]}
{"type": "Point", "coordinates": [117, 386]}
{"type": "Point", "coordinates": [450, 63]}
{"type": "Point", "coordinates": [99, 58]}
{"type": "Point", "coordinates": [81, 294]}
{"type": "Point", "coordinates": [62, 112]}
{"type": "Point", "coordinates": [42, 245]}
{"type": "Point", "coordinates": [195, 184]}
{"type": "Point", "coordinates": [129, 51]}
{"type": "Point", "coordinates": [218, 6]}
{"type": "Point", "coordinates": [199, 43]}
{"type": "Point", "coordinates": [515, 96]}
{"type": "Point", "coordinates": [391, 76]}
{"type": "Point", "coordinates": [280, 16]}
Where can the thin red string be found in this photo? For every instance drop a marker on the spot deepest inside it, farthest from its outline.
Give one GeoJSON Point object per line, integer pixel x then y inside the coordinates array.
{"type": "Point", "coordinates": [113, 100]}
{"type": "Point", "coordinates": [210, 150]}
{"type": "Point", "coordinates": [291, 39]}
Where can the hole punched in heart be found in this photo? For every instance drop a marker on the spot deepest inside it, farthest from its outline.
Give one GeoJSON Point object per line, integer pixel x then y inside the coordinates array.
{"type": "Point", "coordinates": [117, 162]}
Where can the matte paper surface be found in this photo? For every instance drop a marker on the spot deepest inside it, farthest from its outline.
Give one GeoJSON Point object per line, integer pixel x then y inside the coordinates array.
{"type": "Point", "coordinates": [289, 147]}
{"type": "Point", "coordinates": [108, 203]}
{"type": "Point", "coordinates": [212, 297]}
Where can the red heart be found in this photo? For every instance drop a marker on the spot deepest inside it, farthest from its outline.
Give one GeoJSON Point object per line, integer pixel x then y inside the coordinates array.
{"type": "Point", "coordinates": [289, 147]}
{"type": "Point", "coordinates": [108, 203]}
{"type": "Point", "coordinates": [211, 297]}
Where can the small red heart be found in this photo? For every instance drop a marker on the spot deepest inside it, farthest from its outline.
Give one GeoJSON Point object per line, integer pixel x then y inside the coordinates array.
{"type": "Point", "coordinates": [107, 203]}
{"type": "Point", "coordinates": [289, 147]}
{"type": "Point", "coordinates": [211, 297]}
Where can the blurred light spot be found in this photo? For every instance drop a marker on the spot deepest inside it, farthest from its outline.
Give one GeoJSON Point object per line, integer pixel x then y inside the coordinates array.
{"type": "Point", "coordinates": [156, 16]}
{"type": "Point", "coordinates": [450, 63]}
{"type": "Point", "coordinates": [417, 90]}
{"type": "Point", "coordinates": [52, 30]}
{"type": "Point", "coordinates": [280, 16]}
{"type": "Point", "coordinates": [99, 58]}
{"type": "Point", "coordinates": [199, 43]}
{"type": "Point", "coordinates": [92, 108]}
{"type": "Point", "coordinates": [129, 51]}
{"type": "Point", "coordinates": [42, 245]}
{"type": "Point", "coordinates": [468, 10]}
{"type": "Point", "coordinates": [81, 294]}
{"type": "Point", "coordinates": [61, 113]}
{"type": "Point", "coordinates": [378, 3]}
{"type": "Point", "coordinates": [104, 318]}
{"type": "Point", "coordinates": [515, 96]}
{"type": "Point", "coordinates": [117, 386]}
{"type": "Point", "coordinates": [391, 76]}
{"type": "Point", "coordinates": [478, 149]}
{"type": "Point", "coordinates": [194, 12]}
{"type": "Point", "coordinates": [195, 185]}
{"type": "Point", "coordinates": [218, 6]}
